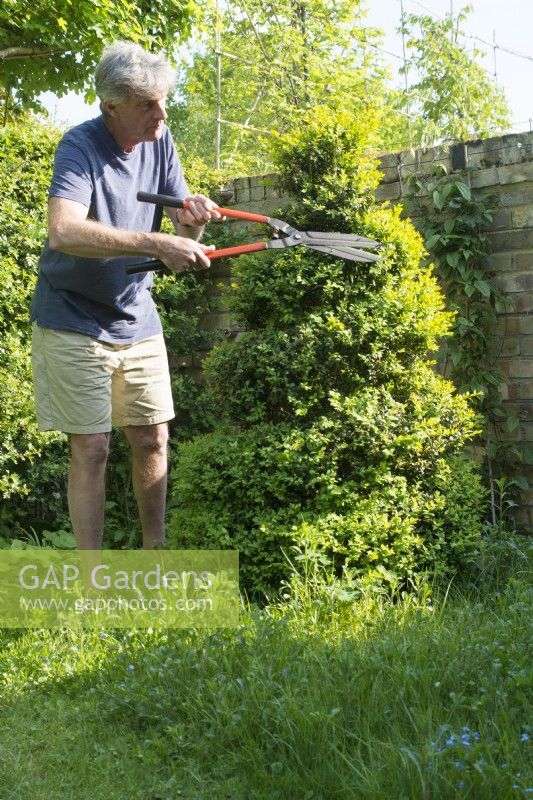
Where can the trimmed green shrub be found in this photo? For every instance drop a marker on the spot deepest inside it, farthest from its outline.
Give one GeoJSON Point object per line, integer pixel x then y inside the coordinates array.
{"type": "Point", "coordinates": [32, 464]}
{"type": "Point", "coordinates": [333, 430]}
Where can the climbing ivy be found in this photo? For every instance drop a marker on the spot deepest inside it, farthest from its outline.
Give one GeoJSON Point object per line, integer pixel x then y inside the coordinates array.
{"type": "Point", "coordinates": [455, 224]}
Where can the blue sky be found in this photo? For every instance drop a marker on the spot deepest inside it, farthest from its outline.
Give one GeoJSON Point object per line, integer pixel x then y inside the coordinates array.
{"type": "Point", "coordinates": [511, 20]}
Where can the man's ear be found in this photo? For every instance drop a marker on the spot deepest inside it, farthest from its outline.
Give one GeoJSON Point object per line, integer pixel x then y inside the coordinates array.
{"type": "Point", "coordinates": [109, 108]}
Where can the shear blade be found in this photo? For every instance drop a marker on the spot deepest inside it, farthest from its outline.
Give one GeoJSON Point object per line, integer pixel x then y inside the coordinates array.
{"type": "Point", "coordinates": [350, 253]}
{"type": "Point", "coordinates": [351, 239]}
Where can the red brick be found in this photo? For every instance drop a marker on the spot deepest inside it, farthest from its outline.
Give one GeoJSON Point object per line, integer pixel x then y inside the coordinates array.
{"type": "Point", "coordinates": [523, 301]}
{"type": "Point", "coordinates": [523, 260]}
{"type": "Point", "coordinates": [525, 324]}
{"type": "Point", "coordinates": [506, 346]}
{"type": "Point", "coordinates": [506, 325]}
{"type": "Point", "coordinates": [519, 367]}
{"type": "Point", "coordinates": [501, 262]}
{"type": "Point", "coordinates": [522, 216]}
{"type": "Point", "coordinates": [503, 219]}
{"type": "Point", "coordinates": [525, 410]}
{"type": "Point", "coordinates": [503, 241]}
{"type": "Point", "coordinates": [520, 390]}
{"type": "Point", "coordinates": [527, 431]}
{"type": "Point", "coordinates": [515, 282]}
{"type": "Point", "coordinates": [526, 345]}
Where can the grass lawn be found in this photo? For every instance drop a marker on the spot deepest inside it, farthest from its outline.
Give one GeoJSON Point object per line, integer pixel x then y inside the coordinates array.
{"type": "Point", "coordinates": [324, 695]}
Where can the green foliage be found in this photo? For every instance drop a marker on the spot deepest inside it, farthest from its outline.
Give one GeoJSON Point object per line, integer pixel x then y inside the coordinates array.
{"type": "Point", "coordinates": [332, 427]}
{"type": "Point", "coordinates": [32, 487]}
{"type": "Point", "coordinates": [46, 47]}
{"type": "Point", "coordinates": [455, 222]}
{"type": "Point", "coordinates": [454, 97]}
{"type": "Point", "coordinates": [325, 163]}
{"type": "Point", "coordinates": [279, 59]}
{"type": "Point", "coordinates": [371, 484]}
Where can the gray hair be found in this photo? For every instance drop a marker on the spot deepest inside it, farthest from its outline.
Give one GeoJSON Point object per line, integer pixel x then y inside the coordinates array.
{"type": "Point", "coordinates": [126, 70]}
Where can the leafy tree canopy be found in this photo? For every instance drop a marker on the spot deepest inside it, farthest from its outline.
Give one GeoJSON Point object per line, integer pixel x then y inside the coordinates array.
{"type": "Point", "coordinates": [279, 59]}
{"type": "Point", "coordinates": [453, 97]}
{"type": "Point", "coordinates": [48, 46]}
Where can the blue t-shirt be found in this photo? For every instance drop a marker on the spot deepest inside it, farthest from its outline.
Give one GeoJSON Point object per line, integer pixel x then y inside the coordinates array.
{"type": "Point", "coordinates": [96, 296]}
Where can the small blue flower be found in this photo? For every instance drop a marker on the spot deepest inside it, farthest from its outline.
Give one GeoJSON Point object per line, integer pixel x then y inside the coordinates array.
{"type": "Point", "coordinates": [104, 636]}
{"type": "Point", "coordinates": [131, 667]}
{"type": "Point", "coordinates": [524, 737]}
{"type": "Point", "coordinates": [458, 764]}
{"type": "Point", "coordinates": [450, 742]}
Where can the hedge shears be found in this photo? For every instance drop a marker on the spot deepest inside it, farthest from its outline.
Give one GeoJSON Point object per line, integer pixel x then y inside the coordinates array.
{"type": "Point", "coordinates": [341, 245]}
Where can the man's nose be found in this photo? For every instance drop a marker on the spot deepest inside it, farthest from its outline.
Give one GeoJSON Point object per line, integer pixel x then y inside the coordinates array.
{"type": "Point", "coordinates": [160, 110]}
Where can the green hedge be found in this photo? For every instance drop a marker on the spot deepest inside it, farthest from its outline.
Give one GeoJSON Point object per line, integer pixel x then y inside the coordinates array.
{"type": "Point", "coordinates": [32, 465]}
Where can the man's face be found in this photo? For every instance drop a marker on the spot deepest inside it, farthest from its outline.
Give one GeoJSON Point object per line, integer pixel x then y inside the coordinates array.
{"type": "Point", "coordinates": [138, 119]}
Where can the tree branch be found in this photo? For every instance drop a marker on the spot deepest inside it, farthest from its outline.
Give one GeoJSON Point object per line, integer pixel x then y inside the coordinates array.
{"type": "Point", "coordinates": [12, 53]}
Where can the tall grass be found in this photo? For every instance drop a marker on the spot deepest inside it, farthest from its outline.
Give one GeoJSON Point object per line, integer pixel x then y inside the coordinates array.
{"type": "Point", "coordinates": [334, 691]}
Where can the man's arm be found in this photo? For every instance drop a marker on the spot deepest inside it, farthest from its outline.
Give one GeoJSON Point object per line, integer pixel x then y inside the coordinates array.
{"type": "Point", "coordinates": [70, 231]}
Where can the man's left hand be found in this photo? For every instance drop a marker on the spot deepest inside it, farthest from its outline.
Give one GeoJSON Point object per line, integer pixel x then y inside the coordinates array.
{"type": "Point", "coordinates": [200, 210]}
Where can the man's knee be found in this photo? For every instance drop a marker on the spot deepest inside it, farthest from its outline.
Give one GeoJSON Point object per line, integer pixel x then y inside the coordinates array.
{"type": "Point", "coordinates": [90, 448]}
{"type": "Point", "coordinates": [148, 438]}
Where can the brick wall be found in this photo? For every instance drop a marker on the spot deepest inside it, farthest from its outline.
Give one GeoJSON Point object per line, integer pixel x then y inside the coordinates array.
{"type": "Point", "coordinates": [503, 166]}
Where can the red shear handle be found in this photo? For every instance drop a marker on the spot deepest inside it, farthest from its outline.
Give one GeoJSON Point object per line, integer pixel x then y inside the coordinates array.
{"type": "Point", "coordinates": [146, 266]}
{"type": "Point", "coordinates": [237, 250]}
{"type": "Point", "coordinates": [173, 202]}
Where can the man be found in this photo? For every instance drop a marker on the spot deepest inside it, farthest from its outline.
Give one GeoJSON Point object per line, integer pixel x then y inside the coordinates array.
{"type": "Point", "coordinates": [98, 353]}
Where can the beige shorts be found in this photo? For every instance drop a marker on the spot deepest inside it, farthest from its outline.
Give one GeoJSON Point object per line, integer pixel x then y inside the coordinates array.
{"type": "Point", "coordinates": [85, 386]}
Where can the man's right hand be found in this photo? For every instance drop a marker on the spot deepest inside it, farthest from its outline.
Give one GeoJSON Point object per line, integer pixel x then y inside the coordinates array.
{"type": "Point", "coordinates": [180, 254]}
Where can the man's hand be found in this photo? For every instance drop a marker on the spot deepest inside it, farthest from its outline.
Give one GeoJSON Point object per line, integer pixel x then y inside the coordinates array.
{"type": "Point", "coordinates": [200, 211]}
{"type": "Point", "coordinates": [179, 253]}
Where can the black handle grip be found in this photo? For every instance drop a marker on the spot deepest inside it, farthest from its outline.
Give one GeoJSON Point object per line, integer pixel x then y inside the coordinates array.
{"type": "Point", "coordinates": [146, 266]}
{"type": "Point", "coordinates": [160, 199]}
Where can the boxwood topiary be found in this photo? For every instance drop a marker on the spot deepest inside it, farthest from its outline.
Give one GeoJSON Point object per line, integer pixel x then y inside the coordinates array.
{"type": "Point", "coordinates": [332, 426]}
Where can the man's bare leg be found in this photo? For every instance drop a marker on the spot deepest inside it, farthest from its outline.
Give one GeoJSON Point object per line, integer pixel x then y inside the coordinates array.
{"type": "Point", "coordinates": [86, 487]}
{"type": "Point", "coordinates": [149, 474]}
